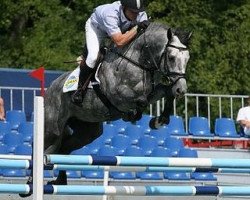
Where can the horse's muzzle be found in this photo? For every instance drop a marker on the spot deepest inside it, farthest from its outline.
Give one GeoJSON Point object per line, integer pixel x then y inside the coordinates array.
{"type": "Point", "coordinates": [179, 88]}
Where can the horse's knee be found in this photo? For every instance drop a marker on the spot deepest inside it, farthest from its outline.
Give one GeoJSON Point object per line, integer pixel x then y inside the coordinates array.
{"type": "Point", "coordinates": [52, 143]}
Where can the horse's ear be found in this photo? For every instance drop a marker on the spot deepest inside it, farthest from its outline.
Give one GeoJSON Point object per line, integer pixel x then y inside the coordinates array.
{"type": "Point", "coordinates": [170, 34]}
{"type": "Point", "coordinates": [190, 35]}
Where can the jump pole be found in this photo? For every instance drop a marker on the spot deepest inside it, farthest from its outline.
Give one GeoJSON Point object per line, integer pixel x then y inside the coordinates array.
{"type": "Point", "coordinates": [27, 164]}
{"type": "Point", "coordinates": [149, 190]}
{"type": "Point", "coordinates": [38, 148]}
{"type": "Point", "coordinates": [150, 161]}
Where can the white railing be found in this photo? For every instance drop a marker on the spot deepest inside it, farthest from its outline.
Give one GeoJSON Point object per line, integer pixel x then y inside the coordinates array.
{"type": "Point", "coordinates": [207, 105]}
{"type": "Point", "coordinates": [11, 90]}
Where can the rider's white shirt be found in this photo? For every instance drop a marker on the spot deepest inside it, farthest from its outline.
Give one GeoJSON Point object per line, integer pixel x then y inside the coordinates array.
{"type": "Point", "coordinates": [106, 20]}
{"type": "Point", "coordinates": [244, 114]}
{"type": "Point", "coordinates": [110, 18]}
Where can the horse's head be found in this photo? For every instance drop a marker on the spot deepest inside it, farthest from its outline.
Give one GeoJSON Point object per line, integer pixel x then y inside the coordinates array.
{"type": "Point", "coordinates": [176, 56]}
{"type": "Point", "coordinates": [170, 55]}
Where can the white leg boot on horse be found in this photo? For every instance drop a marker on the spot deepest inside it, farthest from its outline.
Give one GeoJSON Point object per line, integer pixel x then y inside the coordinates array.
{"type": "Point", "coordinates": [84, 78]}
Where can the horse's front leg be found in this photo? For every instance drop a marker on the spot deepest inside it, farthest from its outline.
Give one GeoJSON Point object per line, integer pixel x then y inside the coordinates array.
{"type": "Point", "coordinates": [164, 118]}
{"type": "Point", "coordinates": [159, 92]}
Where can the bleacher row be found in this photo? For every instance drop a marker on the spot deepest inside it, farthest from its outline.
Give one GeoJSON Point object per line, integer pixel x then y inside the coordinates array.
{"type": "Point", "coordinates": [118, 138]}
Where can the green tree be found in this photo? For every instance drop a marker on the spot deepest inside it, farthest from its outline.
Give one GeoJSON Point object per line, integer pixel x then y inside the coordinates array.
{"type": "Point", "coordinates": [35, 32]}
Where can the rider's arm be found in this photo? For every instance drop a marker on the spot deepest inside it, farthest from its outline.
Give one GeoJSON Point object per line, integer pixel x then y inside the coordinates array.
{"type": "Point", "coordinates": [121, 39]}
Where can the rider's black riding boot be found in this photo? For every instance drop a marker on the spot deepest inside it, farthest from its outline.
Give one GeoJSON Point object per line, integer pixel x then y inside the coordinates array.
{"type": "Point", "coordinates": [84, 77]}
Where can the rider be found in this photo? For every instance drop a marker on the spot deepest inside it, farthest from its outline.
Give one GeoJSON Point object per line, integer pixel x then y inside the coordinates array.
{"type": "Point", "coordinates": [118, 21]}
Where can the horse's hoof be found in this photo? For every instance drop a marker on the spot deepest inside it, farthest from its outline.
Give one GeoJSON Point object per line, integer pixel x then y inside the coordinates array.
{"type": "Point", "coordinates": [154, 123]}
{"type": "Point", "coordinates": [25, 195]}
{"type": "Point", "coordinates": [29, 182]}
{"type": "Point", "coordinates": [57, 182]}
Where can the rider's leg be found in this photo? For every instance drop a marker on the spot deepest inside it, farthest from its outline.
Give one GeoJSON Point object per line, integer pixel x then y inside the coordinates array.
{"type": "Point", "coordinates": [84, 77]}
{"type": "Point", "coordinates": [93, 39]}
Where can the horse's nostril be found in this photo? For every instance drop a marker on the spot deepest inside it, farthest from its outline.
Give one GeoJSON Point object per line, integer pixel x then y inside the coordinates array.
{"type": "Point", "coordinates": [178, 91]}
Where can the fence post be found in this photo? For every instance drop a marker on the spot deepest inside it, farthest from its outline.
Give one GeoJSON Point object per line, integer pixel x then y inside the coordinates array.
{"type": "Point", "coordinates": [38, 148]}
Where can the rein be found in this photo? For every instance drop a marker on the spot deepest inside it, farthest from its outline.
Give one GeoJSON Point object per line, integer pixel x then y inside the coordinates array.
{"type": "Point", "coordinates": [152, 61]}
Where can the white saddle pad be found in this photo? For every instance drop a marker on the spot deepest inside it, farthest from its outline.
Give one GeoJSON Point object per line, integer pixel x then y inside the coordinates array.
{"type": "Point", "coordinates": [71, 82]}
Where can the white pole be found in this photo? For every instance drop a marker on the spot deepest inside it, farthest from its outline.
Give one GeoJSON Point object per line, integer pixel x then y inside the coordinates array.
{"type": "Point", "coordinates": [38, 148]}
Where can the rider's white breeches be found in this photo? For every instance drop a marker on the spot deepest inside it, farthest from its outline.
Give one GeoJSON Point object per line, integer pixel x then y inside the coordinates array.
{"type": "Point", "coordinates": [94, 38]}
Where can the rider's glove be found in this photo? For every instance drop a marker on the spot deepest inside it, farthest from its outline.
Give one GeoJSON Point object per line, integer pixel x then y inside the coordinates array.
{"type": "Point", "coordinates": [143, 25]}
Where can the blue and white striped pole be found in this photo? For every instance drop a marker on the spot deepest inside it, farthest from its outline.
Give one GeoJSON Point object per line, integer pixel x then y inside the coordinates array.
{"type": "Point", "coordinates": [15, 164]}
{"type": "Point", "coordinates": [26, 164]}
{"type": "Point", "coordinates": [131, 190]}
{"type": "Point", "coordinates": [150, 161]}
{"type": "Point", "coordinates": [152, 190]}
{"type": "Point", "coordinates": [146, 169]}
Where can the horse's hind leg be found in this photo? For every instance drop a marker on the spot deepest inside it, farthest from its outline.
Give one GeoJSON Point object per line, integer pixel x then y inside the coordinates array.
{"type": "Point", "coordinates": [83, 134]}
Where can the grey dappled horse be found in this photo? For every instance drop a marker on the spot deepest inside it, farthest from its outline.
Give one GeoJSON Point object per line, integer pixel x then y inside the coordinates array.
{"type": "Point", "coordinates": [126, 78]}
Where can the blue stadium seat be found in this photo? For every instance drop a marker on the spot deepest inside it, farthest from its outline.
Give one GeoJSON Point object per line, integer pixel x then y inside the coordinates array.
{"type": "Point", "coordinates": [181, 176]}
{"type": "Point", "coordinates": [120, 142]}
{"type": "Point", "coordinates": [188, 153]}
{"type": "Point", "coordinates": [107, 151]}
{"type": "Point", "coordinates": [160, 135]}
{"type": "Point", "coordinates": [3, 149]}
{"type": "Point", "coordinates": [46, 173]}
{"type": "Point", "coordinates": [120, 125]}
{"type": "Point", "coordinates": [15, 117]}
{"type": "Point", "coordinates": [94, 146]}
{"type": "Point", "coordinates": [23, 149]}
{"type": "Point", "coordinates": [144, 121]}
{"type": "Point", "coordinates": [26, 128]}
{"type": "Point", "coordinates": [95, 174]}
{"type": "Point", "coordinates": [82, 151]}
{"type": "Point", "coordinates": [122, 175]}
{"type": "Point", "coordinates": [225, 127]}
{"type": "Point", "coordinates": [134, 132]}
{"type": "Point", "coordinates": [14, 172]}
{"type": "Point", "coordinates": [70, 173]}
{"type": "Point", "coordinates": [73, 174]}
{"type": "Point", "coordinates": [199, 126]}
{"type": "Point", "coordinates": [5, 127]}
{"type": "Point", "coordinates": [149, 176]}
{"type": "Point", "coordinates": [174, 145]}
{"type": "Point", "coordinates": [176, 126]}
{"type": "Point", "coordinates": [147, 143]}
{"type": "Point", "coordinates": [161, 152]}
{"type": "Point", "coordinates": [12, 140]}
{"type": "Point", "coordinates": [203, 176]}
{"type": "Point", "coordinates": [133, 151]}
{"type": "Point", "coordinates": [109, 131]}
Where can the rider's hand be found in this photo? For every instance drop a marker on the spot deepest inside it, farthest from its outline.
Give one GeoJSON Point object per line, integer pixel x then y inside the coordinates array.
{"type": "Point", "coordinates": [143, 25]}
{"type": "Point", "coordinates": [79, 59]}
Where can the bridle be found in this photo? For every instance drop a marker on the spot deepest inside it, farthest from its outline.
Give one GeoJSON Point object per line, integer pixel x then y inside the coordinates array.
{"type": "Point", "coordinates": [173, 77]}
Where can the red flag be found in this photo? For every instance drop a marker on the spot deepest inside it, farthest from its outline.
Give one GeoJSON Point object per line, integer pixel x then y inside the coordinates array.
{"type": "Point", "coordinates": [39, 74]}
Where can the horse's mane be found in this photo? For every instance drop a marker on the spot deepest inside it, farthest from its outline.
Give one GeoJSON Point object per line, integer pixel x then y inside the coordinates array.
{"type": "Point", "coordinates": [183, 35]}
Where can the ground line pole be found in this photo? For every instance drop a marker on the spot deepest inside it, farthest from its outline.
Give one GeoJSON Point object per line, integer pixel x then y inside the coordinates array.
{"type": "Point", "coordinates": [38, 148]}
